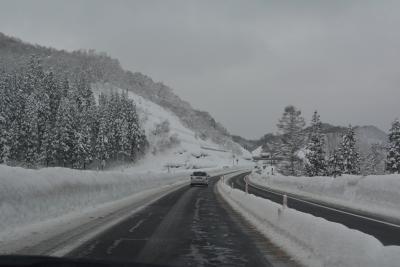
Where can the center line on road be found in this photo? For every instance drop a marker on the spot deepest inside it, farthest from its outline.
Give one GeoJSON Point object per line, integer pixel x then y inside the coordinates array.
{"type": "Point", "coordinates": [136, 226]}
{"type": "Point", "coordinates": [113, 246]}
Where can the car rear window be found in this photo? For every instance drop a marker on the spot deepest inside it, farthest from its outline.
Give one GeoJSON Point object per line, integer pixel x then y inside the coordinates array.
{"type": "Point", "coordinates": [199, 174]}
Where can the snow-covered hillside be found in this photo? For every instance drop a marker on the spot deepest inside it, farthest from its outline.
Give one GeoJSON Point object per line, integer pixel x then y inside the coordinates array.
{"type": "Point", "coordinates": [98, 67]}
{"type": "Point", "coordinates": [172, 145]}
{"type": "Point", "coordinates": [257, 151]}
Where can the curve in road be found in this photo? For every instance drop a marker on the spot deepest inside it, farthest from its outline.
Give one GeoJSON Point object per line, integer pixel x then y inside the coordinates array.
{"type": "Point", "coordinates": [386, 233]}
{"type": "Point", "coordinates": [188, 227]}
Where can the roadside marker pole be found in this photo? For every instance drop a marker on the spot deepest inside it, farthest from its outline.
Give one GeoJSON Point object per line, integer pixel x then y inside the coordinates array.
{"type": "Point", "coordinates": [247, 185]}
{"type": "Point", "coordinates": [284, 204]}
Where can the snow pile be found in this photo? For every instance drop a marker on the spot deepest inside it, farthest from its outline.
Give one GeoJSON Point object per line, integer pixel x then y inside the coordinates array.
{"type": "Point", "coordinates": [31, 196]}
{"type": "Point", "coordinates": [375, 194]}
{"type": "Point", "coordinates": [172, 145]}
{"type": "Point", "coordinates": [311, 240]}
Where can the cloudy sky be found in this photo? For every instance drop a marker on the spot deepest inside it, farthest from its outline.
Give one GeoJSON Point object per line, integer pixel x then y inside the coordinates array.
{"type": "Point", "coordinates": [243, 61]}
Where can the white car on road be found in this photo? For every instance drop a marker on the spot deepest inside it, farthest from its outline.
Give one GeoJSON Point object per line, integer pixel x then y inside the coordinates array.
{"type": "Point", "coordinates": [199, 178]}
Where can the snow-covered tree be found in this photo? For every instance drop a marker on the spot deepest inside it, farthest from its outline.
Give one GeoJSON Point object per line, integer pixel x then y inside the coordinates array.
{"type": "Point", "coordinates": [291, 127]}
{"type": "Point", "coordinates": [45, 119]}
{"type": "Point", "coordinates": [33, 77]}
{"type": "Point", "coordinates": [393, 155]}
{"type": "Point", "coordinates": [349, 153]}
{"type": "Point", "coordinates": [83, 97]}
{"type": "Point", "coordinates": [373, 162]}
{"type": "Point", "coordinates": [102, 144]}
{"type": "Point", "coordinates": [13, 107]}
{"type": "Point", "coordinates": [82, 147]}
{"type": "Point", "coordinates": [3, 138]}
{"type": "Point", "coordinates": [29, 132]}
{"type": "Point", "coordinates": [335, 164]}
{"type": "Point", "coordinates": [3, 117]}
{"type": "Point", "coordinates": [65, 132]}
{"type": "Point", "coordinates": [316, 163]}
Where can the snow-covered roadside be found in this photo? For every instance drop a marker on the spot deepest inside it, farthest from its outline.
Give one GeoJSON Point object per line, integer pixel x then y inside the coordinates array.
{"type": "Point", "coordinates": [58, 236]}
{"type": "Point", "coordinates": [37, 205]}
{"type": "Point", "coordinates": [374, 194]}
{"type": "Point", "coordinates": [311, 240]}
{"type": "Point", "coordinates": [33, 196]}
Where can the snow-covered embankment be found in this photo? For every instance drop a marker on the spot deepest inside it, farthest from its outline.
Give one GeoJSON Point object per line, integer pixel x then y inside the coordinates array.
{"type": "Point", "coordinates": [311, 240]}
{"type": "Point", "coordinates": [374, 194]}
{"type": "Point", "coordinates": [34, 196]}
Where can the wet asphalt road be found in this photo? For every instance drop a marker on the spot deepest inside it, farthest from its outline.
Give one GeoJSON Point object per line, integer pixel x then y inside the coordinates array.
{"type": "Point", "coordinates": [386, 233]}
{"type": "Point", "coordinates": [192, 226]}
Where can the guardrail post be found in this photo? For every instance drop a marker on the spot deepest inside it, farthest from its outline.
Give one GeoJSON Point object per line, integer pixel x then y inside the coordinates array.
{"type": "Point", "coordinates": [284, 204]}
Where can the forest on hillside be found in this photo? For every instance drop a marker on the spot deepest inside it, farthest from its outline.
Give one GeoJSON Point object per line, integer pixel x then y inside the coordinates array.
{"type": "Point", "coordinates": [47, 120]}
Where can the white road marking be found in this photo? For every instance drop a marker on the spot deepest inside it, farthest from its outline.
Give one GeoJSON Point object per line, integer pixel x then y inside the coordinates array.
{"type": "Point", "coordinates": [113, 246]}
{"type": "Point", "coordinates": [136, 226]}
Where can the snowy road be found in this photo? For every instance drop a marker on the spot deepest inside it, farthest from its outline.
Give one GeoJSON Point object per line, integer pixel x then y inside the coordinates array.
{"type": "Point", "coordinates": [386, 232]}
{"type": "Point", "coordinates": [188, 227]}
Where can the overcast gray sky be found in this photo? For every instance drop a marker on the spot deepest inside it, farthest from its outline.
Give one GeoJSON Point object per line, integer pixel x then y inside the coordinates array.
{"type": "Point", "coordinates": [243, 61]}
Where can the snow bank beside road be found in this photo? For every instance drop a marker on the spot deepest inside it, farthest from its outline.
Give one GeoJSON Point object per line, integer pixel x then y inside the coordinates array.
{"type": "Point", "coordinates": [312, 240]}
{"type": "Point", "coordinates": [376, 194]}
{"type": "Point", "coordinates": [32, 196]}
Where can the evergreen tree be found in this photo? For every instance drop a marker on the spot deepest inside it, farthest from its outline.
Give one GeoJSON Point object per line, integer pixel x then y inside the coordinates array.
{"type": "Point", "coordinates": [44, 125]}
{"type": "Point", "coordinates": [82, 148]}
{"type": "Point", "coordinates": [125, 128]}
{"type": "Point", "coordinates": [3, 116]}
{"type": "Point", "coordinates": [64, 144]}
{"type": "Point", "coordinates": [349, 153]}
{"type": "Point", "coordinates": [33, 76]}
{"type": "Point", "coordinates": [29, 132]}
{"type": "Point", "coordinates": [50, 121]}
{"type": "Point", "coordinates": [52, 91]}
{"type": "Point", "coordinates": [136, 140]}
{"type": "Point", "coordinates": [291, 126]}
{"type": "Point", "coordinates": [393, 155]}
{"type": "Point", "coordinates": [14, 107]}
{"type": "Point", "coordinates": [316, 163]}
{"type": "Point", "coordinates": [3, 138]}
{"type": "Point", "coordinates": [81, 98]}
{"type": "Point", "coordinates": [115, 124]}
{"type": "Point", "coordinates": [372, 163]}
{"type": "Point", "coordinates": [102, 144]}
{"type": "Point", "coordinates": [335, 164]}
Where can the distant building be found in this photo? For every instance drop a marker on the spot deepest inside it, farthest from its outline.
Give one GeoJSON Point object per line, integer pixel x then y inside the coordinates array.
{"type": "Point", "coordinates": [266, 157]}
